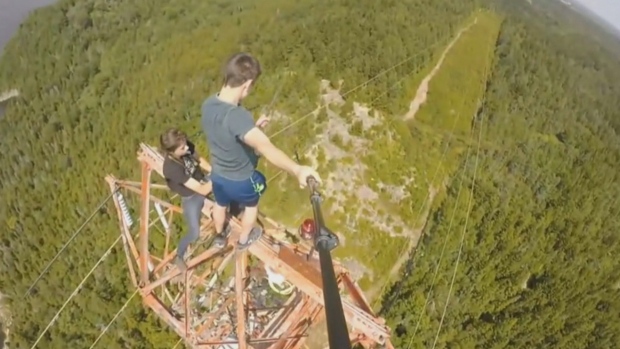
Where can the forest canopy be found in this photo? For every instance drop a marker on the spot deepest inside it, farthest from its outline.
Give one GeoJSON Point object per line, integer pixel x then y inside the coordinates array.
{"type": "Point", "coordinates": [528, 262]}
{"type": "Point", "coordinates": [520, 99]}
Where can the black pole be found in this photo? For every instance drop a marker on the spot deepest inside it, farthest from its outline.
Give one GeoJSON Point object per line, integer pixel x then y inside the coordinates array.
{"type": "Point", "coordinates": [324, 242]}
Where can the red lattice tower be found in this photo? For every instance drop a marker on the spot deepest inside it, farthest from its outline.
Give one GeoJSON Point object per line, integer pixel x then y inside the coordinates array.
{"type": "Point", "coordinates": [267, 298]}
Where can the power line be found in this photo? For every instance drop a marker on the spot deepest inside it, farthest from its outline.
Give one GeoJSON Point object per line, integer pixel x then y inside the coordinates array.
{"type": "Point", "coordinates": [427, 298]}
{"type": "Point", "coordinates": [441, 160]}
{"type": "Point", "coordinates": [266, 110]}
{"type": "Point", "coordinates": [75, 234]}
{"type": "Point", "coordinates": [458, 258]}
{"type": "Point", "coordinates": [114, 319]}
{"type": "Point", "coordinates": [438, 43]}
{"type": "Point", "coordinates": [358, 87]}
{"type": "Point", "coordinates": [78, 288]}
{"type": "Point", "coordinates": [323, 106]}
{"type": "Point", "coordinates": [75, 292]}
{"type": "Point", "coordinates": [443, 249]}
{"type": "Point", "coordinates": [427, 198]}
{"type": "Point", "coordinates": [436, 272]}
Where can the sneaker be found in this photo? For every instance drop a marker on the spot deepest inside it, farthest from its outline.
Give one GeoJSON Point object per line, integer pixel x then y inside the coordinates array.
{"type": "Point", "coordinates": [180, 263]}
{"type": "Point", "coordinates": [255, 234]}
{"type": "Point", "coordinates": [220, 239]}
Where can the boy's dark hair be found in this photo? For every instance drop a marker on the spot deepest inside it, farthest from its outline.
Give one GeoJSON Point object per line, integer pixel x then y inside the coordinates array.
{"type": "Point", "coordinates": [171, 140]}
{"type": "Point", "coordinates": [240, 68]}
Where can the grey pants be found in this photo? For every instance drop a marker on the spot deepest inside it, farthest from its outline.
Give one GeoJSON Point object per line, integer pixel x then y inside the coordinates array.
{"type": "Point", "coordinates": [192, 211]}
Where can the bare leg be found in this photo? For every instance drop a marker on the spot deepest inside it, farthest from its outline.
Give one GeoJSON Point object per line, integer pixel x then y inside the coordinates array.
{"type": "Point", "coordinates": [219, 217]}
{"type": "Point", "coordinates": [247, 223]}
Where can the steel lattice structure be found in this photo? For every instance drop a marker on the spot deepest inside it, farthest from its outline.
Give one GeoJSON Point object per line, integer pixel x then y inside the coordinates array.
{"type": "Point", "coordinates": [265, 298]}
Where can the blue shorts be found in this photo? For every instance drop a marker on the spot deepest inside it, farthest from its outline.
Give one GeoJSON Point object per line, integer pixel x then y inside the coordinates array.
{"type": "Point", "coordinates": [245, 192]}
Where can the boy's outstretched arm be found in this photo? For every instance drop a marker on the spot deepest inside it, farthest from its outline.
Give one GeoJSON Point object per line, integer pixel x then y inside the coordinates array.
{"type": "Point", "coordinates": [258, 140]}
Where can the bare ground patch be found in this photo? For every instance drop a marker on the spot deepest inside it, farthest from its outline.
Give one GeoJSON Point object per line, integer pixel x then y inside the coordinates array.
{"type": "Point", "coordinates": [348, 182]}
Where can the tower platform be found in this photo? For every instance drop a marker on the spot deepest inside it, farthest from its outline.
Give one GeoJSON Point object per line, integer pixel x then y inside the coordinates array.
{"type": "Point", "coordinates": [266, 297]}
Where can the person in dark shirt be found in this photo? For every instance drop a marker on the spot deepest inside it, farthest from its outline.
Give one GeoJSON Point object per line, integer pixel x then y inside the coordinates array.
{"type": "Point", "coordinates": [185, 177]}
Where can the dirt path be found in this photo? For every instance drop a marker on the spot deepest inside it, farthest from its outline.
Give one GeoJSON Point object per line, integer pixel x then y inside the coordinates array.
{"type": "Point", "coordinates": [422, 92]}
{"type": "Point", "coordinates": [318, 334]}
{"type": "Point", "coordinates": [415, 105]}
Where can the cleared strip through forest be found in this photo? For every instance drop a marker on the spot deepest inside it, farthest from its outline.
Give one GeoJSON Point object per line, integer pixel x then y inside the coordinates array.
{"type": "Point", "coordinates": [422, 92]}
{"type": "Point", "coordinates": [420, 98]}
{"type": "Point", "coordinates": [458, 92]}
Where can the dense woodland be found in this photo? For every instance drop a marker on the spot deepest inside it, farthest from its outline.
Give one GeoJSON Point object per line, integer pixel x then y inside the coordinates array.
{"type": "Point", "coordinates": [537, 266]}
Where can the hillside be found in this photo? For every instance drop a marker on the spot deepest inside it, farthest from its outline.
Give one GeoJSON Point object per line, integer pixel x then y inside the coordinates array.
{"type": "Point", "coordinates": [97, 78]}
{"type": "Point", "coordinates": [520, 254]}
{"type": "Point", "coordinates": [398, 103]}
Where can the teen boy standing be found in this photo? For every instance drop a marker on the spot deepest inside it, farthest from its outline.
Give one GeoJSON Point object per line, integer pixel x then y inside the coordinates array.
{"type": "Point", "coordinates": [234, 141]}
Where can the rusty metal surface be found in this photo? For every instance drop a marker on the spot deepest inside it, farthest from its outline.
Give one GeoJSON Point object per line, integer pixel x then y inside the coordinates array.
{"type": "Point", "coordinates": [225, 297]}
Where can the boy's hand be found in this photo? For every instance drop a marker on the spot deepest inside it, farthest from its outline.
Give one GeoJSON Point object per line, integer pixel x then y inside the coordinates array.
{"type": "Point", "coordinates": [303, 173]}
{"type": "Point", "coordinates": [262, 121]}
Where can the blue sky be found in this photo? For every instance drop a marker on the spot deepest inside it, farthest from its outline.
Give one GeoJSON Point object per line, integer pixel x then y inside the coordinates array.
{"type": "Point", "coordinates": [607, 9]}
